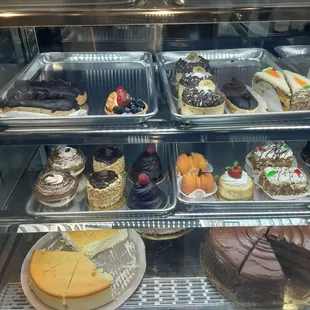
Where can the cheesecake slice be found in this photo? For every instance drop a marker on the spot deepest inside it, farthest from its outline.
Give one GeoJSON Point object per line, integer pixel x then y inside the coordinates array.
{"type": "Point", "coordinates": [92, 242]}
{"type": "Point", "coordinates": [68, 280]}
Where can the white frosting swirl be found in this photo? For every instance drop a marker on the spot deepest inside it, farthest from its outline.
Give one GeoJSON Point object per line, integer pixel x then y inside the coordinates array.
{"type": "Point", "coordinates": [66, 152]}
{"type": "Point", "coordinates": [198, 74]}
{"type": "Point", "coordinates": [235, 182]}
{"type": "Point", "coordinates": [205, 89]}
{"type": "Point", "coordinates": [54, 179]}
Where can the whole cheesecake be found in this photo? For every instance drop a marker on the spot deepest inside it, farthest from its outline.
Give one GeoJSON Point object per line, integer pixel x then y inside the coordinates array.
{"type": "Point", "coordinates": [235, 184]}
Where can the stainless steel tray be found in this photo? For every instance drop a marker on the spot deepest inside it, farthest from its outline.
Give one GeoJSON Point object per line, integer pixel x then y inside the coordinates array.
{"type": "Point", "coordinates": [213, 152]}
{"type": "Point", "coordinates": [225, 64]}
{"type": "Point", "coordinates": [78, 206]}
{"type": "Point", "coordinates": [297, 57]}
{"type": "Point", "coordinates": [99, 74]}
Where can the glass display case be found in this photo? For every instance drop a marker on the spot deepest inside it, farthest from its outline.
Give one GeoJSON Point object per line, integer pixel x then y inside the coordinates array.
{"type": "Point", "coordinates": [154, 154]}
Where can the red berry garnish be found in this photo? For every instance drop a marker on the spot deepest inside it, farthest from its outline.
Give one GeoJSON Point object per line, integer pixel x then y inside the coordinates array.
{"type": "Point", "coordinates": [119, 99]}
{"type": "Point", "coordinates": [150, 149]}
{"type": "Point", "coordinates": [121, 94]}
{"type": "Point", "coordinates": [261, 149]}
{"type": "Point", "coordinates": [297, 171]}
{"type": "Point", "coordinates": [235, 171]}
{"type": "Point", "coordinates": [143, 179]}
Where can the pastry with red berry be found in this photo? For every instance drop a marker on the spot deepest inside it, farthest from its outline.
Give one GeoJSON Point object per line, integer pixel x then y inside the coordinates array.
{"type": "Point", "coordinates": [148, 162]}
{"type": "Point", "coordinates": [283, 181]}
{"type": "Point", "coordinates": [235, 184]}
{"type": "Point", "coordinates": [271, 155]}
{"type": "Point", "coordinates": [121, 103]}
{"type": "Point", "coordinates": [145, 195]}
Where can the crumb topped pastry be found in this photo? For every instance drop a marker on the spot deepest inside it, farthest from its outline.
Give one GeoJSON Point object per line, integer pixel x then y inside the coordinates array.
{"type": "Point", "coordinates": [271, 155]}
{"type": "Point", "coordinates": [238, 98]}
{"type": "Point", "coordinates": [190, 63]}
{"type": "Point", "coordinates": [201, 100]}
{"type": "Point", "coordinates": [55, 188]}
{"type": "Point", "coordinates": [235, 184]}
{"type": "Point", "coordinates": [273, 79]}
{"type": "Point", "coordinates": [300, 87]}
{"type": "Point", "coordinates": [283, 181]}
{"type": "Point", "coordinates": [67, 159]}
{"type": "Point", "coordinates": [109, 158]}
{"type": "Point", "coordinates": [104, 189]}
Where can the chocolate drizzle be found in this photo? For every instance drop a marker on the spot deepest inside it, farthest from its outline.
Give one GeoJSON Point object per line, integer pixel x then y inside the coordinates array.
{"type": "Point", "coordinates": [148, 163]}
{"type": "Point", "coordinates": [146, 196]}
{"type": "Point", "coordinates": [183, 65]}
{"type": "Point", "coordinates": [108, 155]}
{"type": "Point", "coordinates": [102, 179]}
{"type": "Point", "coordinates": [237, 94]}
{"type": "Point", "coordinates": [201, 98]}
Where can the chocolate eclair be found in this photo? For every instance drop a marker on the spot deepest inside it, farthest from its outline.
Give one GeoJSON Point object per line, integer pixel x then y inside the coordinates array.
{"type": "Point", "coordinates": [148, 162]}
{"type": "Point", "coordinates": [67, 159]}
{"type": "Point", "coordinates": [56, 87]}
{"type": "Point", "coordinates": [238, 98]}
{"type": "Point", "coordinates": [105, 190]}
{"type": "Point", "coordinates": [201, 100]}
{"type": "Point", "coordinates": [55, 188]}
{"type": "Point", "coordinates": [109, 158]}
{"type": "Point", "coordinates": [188, 64]}
{"type": "Point", "coordinates": [146, 195]}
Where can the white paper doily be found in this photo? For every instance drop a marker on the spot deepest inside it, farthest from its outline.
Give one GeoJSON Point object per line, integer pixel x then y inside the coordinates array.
{"type": "Point", "coordinates": [281, 197]}
{"type": "Point", "coordinates": [126, 262]}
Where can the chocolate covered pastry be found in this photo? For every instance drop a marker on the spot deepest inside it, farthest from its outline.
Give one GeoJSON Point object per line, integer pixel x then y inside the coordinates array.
{"type": "Point", "coordinates": [146, 195]}
{"type": "Point", "coordinates": [105, 190]}
{"type": "Point", "coordinates": [148, 162]}
{"type": "Point", "coordinates": [238, 98]}
{"type": "Point", "coordinates": [109, 158]}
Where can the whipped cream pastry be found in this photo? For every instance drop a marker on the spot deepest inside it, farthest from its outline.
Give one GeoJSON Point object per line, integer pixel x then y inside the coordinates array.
{"type": "Point", "coordinates": [242, 181]}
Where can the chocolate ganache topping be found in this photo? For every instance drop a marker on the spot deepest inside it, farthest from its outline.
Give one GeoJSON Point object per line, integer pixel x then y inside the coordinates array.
{"type": "Point", "coordinates": [185, 65]}
{"type": "Point", "coordinates": [52, 87]}
{"type": "Point", "coordinates": [202, 97]}
{"type": "Point", "coordinates": [194, 78]}
{"type": "Point", "coordinates": [102, 179]}
{"type": "Point", "coordinates": [237, 94]}
{"type": "Point", "coordinates": [148, 162]}
{"type": "Point", "coordinates": [145, 194]}
{"type": "Point", "coordinates": [108, 155]}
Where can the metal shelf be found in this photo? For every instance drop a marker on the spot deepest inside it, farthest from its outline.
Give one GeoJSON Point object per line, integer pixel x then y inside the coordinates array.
{"type": "Point", "coordinates": [72, 12]}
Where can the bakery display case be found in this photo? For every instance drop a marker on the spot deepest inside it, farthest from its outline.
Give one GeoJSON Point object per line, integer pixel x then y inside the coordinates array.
{"type": "Point", "coordinates": [154, 154]}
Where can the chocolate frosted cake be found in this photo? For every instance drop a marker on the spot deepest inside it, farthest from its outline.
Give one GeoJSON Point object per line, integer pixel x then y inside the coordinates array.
{"type": "Point", "coordinates": [238, 98]}
{"type": "Point", "coordinates": [146, 195]}
{"type": "Point", "coordinates": [148, 162]}
{"type": "Point", "coordinates": [255, 266]}
{"type": "Point", "coordinates": [201, 100]}
{"type": "Point", "coordinates": [188, 64]}
{"type": "Point", "coordinates": [105, 190]}
{"type": "Point", "coordinates": [109, 158]}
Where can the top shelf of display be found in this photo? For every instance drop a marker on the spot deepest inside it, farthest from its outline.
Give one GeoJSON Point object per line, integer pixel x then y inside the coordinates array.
{"type": "Point", "coordinates": [134, 12]}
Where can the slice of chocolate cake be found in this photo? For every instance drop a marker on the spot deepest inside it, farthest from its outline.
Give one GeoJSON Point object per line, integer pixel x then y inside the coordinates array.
{"type": "Point", "coordinates": [261, 280]}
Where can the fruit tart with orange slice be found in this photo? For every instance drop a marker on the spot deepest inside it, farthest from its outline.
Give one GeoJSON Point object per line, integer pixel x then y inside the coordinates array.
{"type": "Point", "coordinates": [270, 79]}
{"type": "Point", "coordinates": [121, 103]}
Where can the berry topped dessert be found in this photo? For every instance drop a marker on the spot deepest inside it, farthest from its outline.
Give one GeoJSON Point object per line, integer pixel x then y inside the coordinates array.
{"type": "Point", "coordinates": [238, 98]}
{"type": "Point", "coordinates": [146, 195]}
{"type": "Point", "coordinates": [120, 102]}
{"type": "Point", "coordinates": [148, 162]}
{"type": "Point", "coordinates": [235, 184]}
